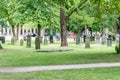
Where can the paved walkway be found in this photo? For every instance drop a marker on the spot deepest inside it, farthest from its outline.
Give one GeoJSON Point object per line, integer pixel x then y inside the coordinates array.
{"type": "Point", "coordinates": [57, 67]}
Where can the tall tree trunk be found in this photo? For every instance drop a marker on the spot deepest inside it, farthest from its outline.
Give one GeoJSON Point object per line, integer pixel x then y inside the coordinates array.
{"type": "Point", "coordinates": [18, 31]}
{"type": "Point", "coordinates": [63, 28]}
{"type": "Point", "coordinates": [118, 30]}
{"type": "Point", "coordinates": [39, 29]}
{"type": "Point", "coordinates": [38, 38]}
{"type": "Point", "coordinates": [119, 42]}
{"type": "Point", "coordinates": [51, 35]}
{"type": "Point", "coordinates": [13, 39]}
{"type": "Point", "coordinates": [78, 37]}
{"type": "Point", "coordinates": [13, 30]}
{"type": "Point", "coordinates": [91, 37]}
{"type": "Point", "coordinates": [86, 33]}
{"type": "Point", "coordinates": [87, 38]}
{"type": "Point", "coordinates": [119, 37]}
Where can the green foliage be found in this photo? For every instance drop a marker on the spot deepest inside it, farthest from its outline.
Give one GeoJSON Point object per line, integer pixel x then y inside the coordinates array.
{"type": "Point", "coordinates": [93, 13]}
{"type": "Point", "coordinates": [3, 23]}
{"type": "Point", "coordinates": [117, 48]}
{"type": "Point", "coordinates": [9, 11]}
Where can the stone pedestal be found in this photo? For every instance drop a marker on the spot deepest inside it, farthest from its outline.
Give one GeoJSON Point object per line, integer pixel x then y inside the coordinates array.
{"type": "Point", "coordinates": [87, 42]}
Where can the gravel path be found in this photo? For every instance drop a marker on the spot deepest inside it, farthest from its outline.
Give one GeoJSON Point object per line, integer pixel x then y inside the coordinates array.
{"type": "Point", "coordinates": [57, 67]}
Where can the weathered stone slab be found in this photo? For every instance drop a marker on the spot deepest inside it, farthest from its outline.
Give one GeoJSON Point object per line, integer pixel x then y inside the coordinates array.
{"type": "Point", "coordinates": [45, 41]}
{"type": "Point", "coordinates": [97, 39]}
{"type": "Point", "coordinates": [87, 42]}
{"type": "Point", "coordinates": [55, 50]}
{"type": "Point", "coordinates": [29, 41]}
{"type": "Point", "coordinates": [21, 42]}
{"type": "Point", "coordinates": [37, 43]}
{"type": "Point", "coordinates": [109, 41]}
{"type": "Point", "coordinates": [104, 39]}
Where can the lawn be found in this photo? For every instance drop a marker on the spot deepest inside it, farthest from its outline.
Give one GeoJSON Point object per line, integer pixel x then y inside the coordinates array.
{"type": "Point", "coordinates": [15, 55]}
{"type": "Point", "coordinates": [74, 74]}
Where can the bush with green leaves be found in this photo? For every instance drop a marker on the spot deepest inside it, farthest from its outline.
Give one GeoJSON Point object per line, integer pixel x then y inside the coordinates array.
{"type": "Point", "coordinates": [117, 48]}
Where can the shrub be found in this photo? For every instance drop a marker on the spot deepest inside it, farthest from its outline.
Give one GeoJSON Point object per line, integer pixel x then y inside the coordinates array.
{"type": "Point", "coordinates": [117, 48]}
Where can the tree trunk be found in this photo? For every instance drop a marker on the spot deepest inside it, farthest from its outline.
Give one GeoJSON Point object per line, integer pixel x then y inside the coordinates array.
{"type": "Point", "coordinates": [17, 31]}
{"type": "Point", "coordinates": [91, 37]}
{"type": "Point", "coordinates": [118, 27]}
{"type": "Point", "coordinates": [63, 28]}
{"type": "Point", "coordinates": [13, 40]}
{"type": "Point", "coordinates": [119, 32]}
{"type": "Point", "coordinates": [38, 38]}
{"type": "Point", "coordinates": [78, 37]}
{"type": "Point", "coordinates": [119, 40]}
{"type": "Point", "coordinates": [13, 30]}
{"type": "Point", "coordinates": [51, 35]}
{"type": "Point", "coordinates": [86, 33]}
{"type": "Point", "coordinates": [39, 29]}
{"type": "Point", "coordinates": [87, 38]}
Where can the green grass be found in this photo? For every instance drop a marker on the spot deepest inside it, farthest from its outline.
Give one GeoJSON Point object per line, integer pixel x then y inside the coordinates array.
{"type": "Point", "coordinates": [74, 74]}
{"type": "Point", "coordinates": [15, 55]}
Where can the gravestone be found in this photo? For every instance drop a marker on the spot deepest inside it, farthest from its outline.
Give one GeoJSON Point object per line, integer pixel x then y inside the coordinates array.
{"type": "Point", "coordinates": [77, 40]}
{"type": "Point", "coordinates": [109, 41]}
{"type": "Point", "coordinates": [87, 42]}
{"type": "Point", "coordinates": [92, 38]}
{"type": "Point", "coordinates": [45, 41]}
{"type": "Point", "coordinates": [51, 39]}
{"type": "Point", "coordinates": [21, 42]}
{"type": "Point", "coordinates": [104, 39]}
{"type": "Point", "coordinates": [97, 38]}
{"type": "Point", "coordinates": [29, 41]}
{"type": "Point", "coordinates": [12, 40]}
{"type": "Point", "coordinates": [25, 38]}
{"type": "Point", "coordinates": [84, 38]}
{"type": "Point", "coordinates": [81, 39]}
{"type": "Point", "coordinates": [37, 43]}
{"type": "Point", "coordinates": [57, 38]}
{"type": "Point", "coordinates": [2, 38]}
{"type": "Point", "coordinates": [117, 38]}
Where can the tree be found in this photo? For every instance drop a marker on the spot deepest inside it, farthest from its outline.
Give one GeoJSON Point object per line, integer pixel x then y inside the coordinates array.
{"type": "Point", "coordinates": [36, 12]}
{"type": "Point", "coordinates": [111, 8]}
{"type": "Point", "coordinates": [9, 12]}
{"type": "Point", "coordinates": [71, 6]}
